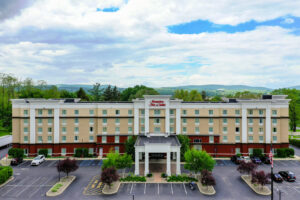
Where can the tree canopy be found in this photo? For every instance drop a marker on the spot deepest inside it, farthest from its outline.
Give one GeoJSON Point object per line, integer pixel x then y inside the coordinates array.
{"type": "Point", "coordinates": [186, 95]}
{"type": "Point", "coordinates": [196, 161]}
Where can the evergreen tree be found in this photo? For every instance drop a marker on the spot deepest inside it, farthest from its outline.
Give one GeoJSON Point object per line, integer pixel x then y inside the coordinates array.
{"type": "Point", "coordinates": [96, 92]}
{"type": "Point", "coordinates": [82, 95]}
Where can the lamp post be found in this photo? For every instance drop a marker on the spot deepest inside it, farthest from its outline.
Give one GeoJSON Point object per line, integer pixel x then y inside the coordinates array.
{"type": "Point", "coordinates": [271, 156]}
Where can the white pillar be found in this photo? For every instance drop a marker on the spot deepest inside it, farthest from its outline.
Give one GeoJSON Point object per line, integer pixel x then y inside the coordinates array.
{"type": "Point", "coordinates": [244, 125]}
{"type": "Point", "coordinates": [268, 125]}
{"type": "Point", "coordinates": [167, 123]}
{"type": "Point", "coordinates": [137, 164]}
{"type": "Point", "coordinates": [178, 171]}
{"type": "Point", "coordinates": [136, 121]}
{"type": "Point", "coordinates": [178, 121]}
{"type": "Point", "coordinates": [56, 125]}
{"type": "Point", "coordinates": [32, 125]}
{"type": "Point", "coordinates": [168, 164]}
{"type": "Point", "coordinates": [146, 119]}
{"type": "Point", "coordinates": [146, 163]}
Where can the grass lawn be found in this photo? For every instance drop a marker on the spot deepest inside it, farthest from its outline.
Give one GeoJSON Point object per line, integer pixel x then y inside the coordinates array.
{"type": "Point", "coordinates": [294, 136]}
{"type": "Point", "coordinates": [3, 133]}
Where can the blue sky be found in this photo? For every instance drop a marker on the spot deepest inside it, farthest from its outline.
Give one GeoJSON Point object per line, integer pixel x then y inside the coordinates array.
{"type": "Point", "coordinates": [157, 43]}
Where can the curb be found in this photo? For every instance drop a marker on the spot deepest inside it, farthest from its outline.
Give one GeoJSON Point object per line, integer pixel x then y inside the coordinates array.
{"type": "Point", "coordinates": [254, 189]}
{"type": "Point", "coordinates": [29, 159]}
{"type": "Point", "coordinates": [8, 180]}
{"type": "Point", "coordinates": [52, 194]}
{"type": "Point", "coordinates": [200, 187]}
{"type": "Point", "coordinates": [114, 192]}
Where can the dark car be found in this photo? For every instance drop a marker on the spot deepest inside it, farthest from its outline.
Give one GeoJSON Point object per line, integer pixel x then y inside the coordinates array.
{"type": "Point", "coordinates": [16, 161]}
{"type": "Point", "coordinates": [287, 175]}
{"type": "Point", "coordinates": [266, 160]}
{"type": "Point", "coordinates": [256, 160]}
{"type": "Point", "coordinates": [236, 159]}
{"type": "Point", "coordinates": [277, 178]}
{"type": "Point", "coordinates": [192, 185]}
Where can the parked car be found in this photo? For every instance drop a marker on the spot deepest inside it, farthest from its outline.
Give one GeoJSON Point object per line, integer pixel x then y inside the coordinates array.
{"type": "Point", "coordinates": [266, 160]}
{"type": "Point", "coordinates": [16, 161]}
{"type": "Point", "coordinates": [38, 160]}
{"type": "Point", "coordinates": [236, 159]}
{"type": "Point", "coordinates": [256, 160]}
{"type": "Point", "coordinates": [246, 159]}
{"type": "Point", "coordinates": [192, 185]}
{"type": "Point", "coordinates": [288, 175]}
{"type": "Point", "coordinates": [277, 178]}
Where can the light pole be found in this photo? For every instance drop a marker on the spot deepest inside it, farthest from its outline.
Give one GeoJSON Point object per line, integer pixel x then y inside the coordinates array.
{"type": "Point", "coordinates": [271, 155]}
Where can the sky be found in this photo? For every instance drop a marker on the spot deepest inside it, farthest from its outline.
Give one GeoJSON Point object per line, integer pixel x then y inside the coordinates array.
{"type": "Point", "coordinates": [156, 43]}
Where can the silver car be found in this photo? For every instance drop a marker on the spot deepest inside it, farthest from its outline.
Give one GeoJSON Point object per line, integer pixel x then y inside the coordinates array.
{"type": "Point", "coordinates": [38, 160]}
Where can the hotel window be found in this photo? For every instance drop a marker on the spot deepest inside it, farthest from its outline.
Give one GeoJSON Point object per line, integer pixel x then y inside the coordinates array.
{"type": "Point", "coordinates": [117, 139]}
{"type": "Point", "coordinates": [40, 139]}
{"type": "Point", "coordinates": [49, 138]}
{"type": "Point", "coordinates": [197, 121]}
{"type": "Point", "coordinates": [104, 112]}
{"type": "Point", "coordinates": [274, 121]}
{"type": "Point", "coordinates": [76, 138]}
{"type": "Point", "coordinates": [64, 121]}
{"type": "Point", "coordinates": [117, 121]}
{"type": "Point", "coordinates": [26, 139]}
{"type": "Point", "coordinates": [237, 138]}
{"type": "Point", "coordinates": [250, 130]}
{"type": "Point", "coordinates": [274, 139]}
{"type": "Point", "coordinates": [261, 130]}
{"type": "Point", "coordinates": [261, 121]}
{"type": "Point", "coordinates": [224, 129]}
{"type": "Point", "coordinates": [64, 130]}
{"type": "Point", "coordinates": [211, 121]}
{"type": "Point", "coordinates": [76, 121]}
{"type": "Point", "coordinates": [117, 112]}
{"type": "Point", "coordinates": [76, 112]}
{"type": "Point", "coordinates": [130, 121]}
{"type": "Point", "coordinates": [237, 120]}
{"type": "Point", "coordinates": [250, 112]}
{"type": "Point", "coordinates": [172, 111]}
{"type": "Point", "coordinates": [250, 121]}
{"type": "Point", "coordinates": [91, 120]}
{"type": "Point", "coordinates": [91, 112]}
{"type": "Point", "coordinates": [224, 112]}
{"type": "Point", "coordinates": [50, 121]}
{"type": "Point", "coordinates": [25, 122]}
{"type": "Point", "coordinates": [143, 111]}
{"type": "Point", "coordinates": [91, 129]}
{"type": "Point", "coordinates": [197, 112]}
{"type": "Point", "coordinates": [142, 120]}
{"type": "Point", "coordinates": [117, 129]}
{"type": "Point", "coordinates": [129, 112]}
{"type": "Point", "coordinates": [157, 129]}
{"type": "Point", "coordinates": [237, 150]}
{"type": "Point", "coordinates": [25, 130]}
{"type": "Point", "coordinates": [63, 151]}
{"type": "Point", "coordinates": [156, 121]}
{"type": "Point", "coordinates": [40, 121]}
{"type": "Point", "coordinates": [40, 112]}
{"type": "Point", "coordinates": [171, 129]}
{"type": "Point", "coordinates": [237, 129]}
{"type": "Point", "coordinates": [184, 120]}
{"type": "Point", "coordinates": [261, 139]}
{"type": "Point", "coordinates": [91, 151]}
{"type": "Point", "coordinates": [104, 121]}
{"type": "Point", "coordinates": [261, 112]}
{"type": "Point", "coordinates": [91, 138]}
{"type": "Point", "coordinates": [129, 129]}
{"type": "Point", "coordinates": [250, 151]}
{"type": "Point", "coordinates": [25, 113]}
{"type": "Point", "coordinates": [184, 112]}
{"type": "Point", "coordinates": [171, 120]}
{"type": "Point", "coordinates": [156, 112]}
{"type": "Point", "coordinates": [225, 138]}
{"type": "Point", "coordinates": [117, 149]}
{"type": "Point", "coordinates": [49, 112]}
{"type": "Point", "coordinates": [104, 130]}
{"type": "Point", "coordinates": [274, 112]}
{"type": "Point", "coordinates": [63, 138]}
{"type": "Point", "coordinates": [197, 130]}
{"type": "Point", "coordinates": [103, 139]}
{"type": "Point", "coordinates": [184, 129]}
{"type": "Point", "coordinates": [197, 140]}
{"type": "Point", "coordinates": [210, 112]}
{"type": "Point", "coordinates": [49, 130]}
{"type": "Point", "coordinates": [210, 129]}
{"type": "Point", "coordinates": [64, 112]}
{"type": "Point", "coordinates": [237, 112]}
{"type": "Point", "coordinates": [250, 139]}
{"type": "Point", "coordinates": [211, 139]}
{"type": "Point", "coordinates": [224, 120]}
{"type": "Point", "coordinates": [40, 130]}
{"type": "Point", "coordinates": [76, 129]}
{"type": "Point", "coordinates": [274, 130]}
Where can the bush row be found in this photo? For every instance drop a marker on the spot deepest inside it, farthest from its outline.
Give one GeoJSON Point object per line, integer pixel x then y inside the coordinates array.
{"type": "Point", "coordinates": [5, 173]}
{"type": "Point", "coordinates": [179, 178]}
{"type": "Point", "coordinates": [134, 179]}
{"type": "Point", "coordinates": [82, 152]}
{"type": "Point", "coordinates": [295, 142]}
{"type": "Point", "coordinates": [43, 152]}
{"type": "Point", "coordinates": [16, 152]}
{"type": "Point", "coordinates": [285, 152]}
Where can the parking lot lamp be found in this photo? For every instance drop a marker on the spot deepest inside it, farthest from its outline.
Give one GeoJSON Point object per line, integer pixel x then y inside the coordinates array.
{"type": "Point", "coordinates": [271, 157]}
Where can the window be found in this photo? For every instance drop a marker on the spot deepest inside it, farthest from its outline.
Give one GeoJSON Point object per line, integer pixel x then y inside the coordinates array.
{"type": "Point", "coordinates": [49, 130]}
{"type": "Point", "coordinates": [197, 140]}
{"type": "Point", "coordinates": [76, 129]}
{"type": "Point", "coordinates": [224, 112]}
{"type": "Point", "coordinates": [237, 150]}
{"type": "Point", "coordinates": [25, 122]}
{"type": "Point", "coordinates": [274, 121]}
{"type": "Point", "coordinates": [64, 112]}
{"type": "Point", "coordinates": [142, 120]}
{"type": "Point", "coordinates": [224, 120]}
{"type": "Point", "coordinates": [129, 129]}
{"type": "Point", "coordinates": [250, 120]}
{"type": "Point", "coordinates": [261, 112]}
{"type": "Point", "coordinates": [142, 129]}
{"type": "Point", "coordinates": [197, 112]}
{"type": "Point", "coordinates": [91, 138]}
{"type": "Point", "coordinates": [184, 129]}
{"type": "Point", "coordinates": [184, 112]}
{"type": "Point", "coordinates": [225, 138]}
{"type": "Point", "coordinates": [197, 121]}
{"type": "Point", "coordinates": [184, 120]}
{"type": "Point", "coordinates": [210, 129]}
{"type": "Point", "coordinates": [197, 130]}
{"type": "Point", "coordinates": [49, 112]}
{"type": "Point", "coordinates": [211, 139]}
{"type": "Point", "coordinates": [40, 130]}
{"type": "Point", "coordinates": [237, 120]}
{"type": "Point", "coordinates": [261, 121]}
{"type": "Point", "coordinates": [64, 121]}
{"type": "Point", "coordinates": [250, 139]}
{"type": "Point", "coordinates": [117, 139]}
{"type": "Point", "coordinates": [143, 111]}
{"type": "Point", "coordinates": [172, 129]}
{"type": "Point", "coordinates": [76, 120]}
{"type": "Point", "coordinates": [63, 151]}
{"type": "Point", "coordinates": [274, 139]}
{"type": "Point", "coordinates": [76, 112]}
{"type": "Point", "coordinates": [224, 129]}
{"type": "Point", "coordinates": [40, 112]}
{"type": "Point", "coordinates": [25, 112]}
{"type": "Point", "coordinates": [117, 112]}
{"type": "Point", "coordinates": [237, 112]}
{"type": "Point", "coordinates": [50, 121]}
{"type": "Point", "coordinates": [250, 151]}
{"type": "Point", "coordinates": [64, 130]}
{"type": "Point", "coordinates": [104, 130]}
{"type": "Point", "coordinates": [104, 121]}
{"type": "Point", "coordinates": [40, 139]}
{"type": "Point", "coordinates": [172, 111]}
{"type": "Point", "coordinates": [104, 112]}
{"type": "Point", "coordinates": [211, 121]}
{"type": "Point", "coordinates": [171, 121]}
{"type": "Point", "coordinates": [129, 112]}
{"type": "Point", "coordinates": [156, 112]}
{"type": "Point", "coordinates": [156, 121]}
{"type": "Point", "coordinates": [250, 112]}
{"type": "Point", "coordinates": [117, 149]}
{"type": "Point", "coordinates": [91, 129]}
{"type": "Point", "coordinates": [237, 129]}
{"type": "Point", "coordinates": [210, 112]}
{"type": "Point", "coordinates": [91, 151]}
{"type": "Point", "coordinates": [117, 121]}
{"type": "Point", "coordinates": [250, 130]}
{"type": "Point", "coordinates": [237, 138]}
{"type": "Point", "coordinates": [76, 138]}
{"type": "Point", "coordinates": [40, 121]}
{"type": "Point", "coordinates": [49, 138]}
{"type": "Point", "coordinates": [274, 112]}
{"type": "Point", "coordinates": [91, 112]}
{"type": "Point", "coordinates": [274, 130]}
{"type": "Point", "coordinates": [157, 129]}
{"type": "Point", "coordinates": [261, 130]}
{"type": "Point", "coordinates": [25, 138]}
{"type": "Point", "coordinates": [63, 138]}
{"type": "Point", "coordinates": [261, 139]}
{"type": "Point", "coordinates": [25, 130]}
{"type": "Point", "coordinates": [130, 121]}
{"type": "Point", "coordinates": [117, 129]}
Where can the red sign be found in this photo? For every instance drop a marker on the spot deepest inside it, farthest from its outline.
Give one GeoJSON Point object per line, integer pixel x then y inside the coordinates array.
{"type": "Point", "coordinates": [157, 103]}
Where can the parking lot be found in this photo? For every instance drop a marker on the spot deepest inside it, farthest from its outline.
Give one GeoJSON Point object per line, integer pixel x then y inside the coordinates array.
{"type": "Point", "coordinates": [277, 163]}
{"type": "Point", "coordinates": [53, 163]}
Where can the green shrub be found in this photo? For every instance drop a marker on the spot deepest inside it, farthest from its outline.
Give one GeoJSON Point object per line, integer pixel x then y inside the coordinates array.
{"type": "Point", "coordinates": [5, 173]}
{"type": "Point", "coordinates": [295, 142]}
{"type": "Point", "coordinates": [163, 175]}
{"type": "Point", "coordinates": [133, 179]}
{"type": "Point", "coordinates": [149, 175]}
{"type": "Point", "coordinates": [81, 152]}
{"type": "Point", "coordinates": [182, 178]}
{"type": "Point", "coordinates": [257, 153]}
{"type": "Point", "coordinates": [238, 155]}
{"type": "Point", "coordinates": [78, 152]}
{"type": "Point", "coordinates": [281, 153]}
{"type": "Point", "coordinates": [85, 152]}
{"type": "Point", "coordinates": [43, 152]}
{"type": "Point", "coordinates": [16, 152]}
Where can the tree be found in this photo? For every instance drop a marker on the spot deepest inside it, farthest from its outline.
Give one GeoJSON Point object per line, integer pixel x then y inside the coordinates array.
{"type": "Point", "coordinates": [81, 94]}
{"type": "Point", "coordinates": [207, 178]}
{"type": "Point", "coordinates": [67, 166]}
{"type": "Point", "coordinates": [124, 161]}
{"type": "Point", "coordinates": [246, 167]}
{"type": "Point", "coordinates": [107, 94]}
{"type": "Point", "coordinates": [216, 99]}
{"type": "Point", "coordinates": [185, 95]}
{"type": "Point", "coordinates": [109, 175]}
{"type": "Point", "coordinates": [129, 146]}
{"type": "Point", "coordinates": [185, 145]}
{"type": "Point", "coordinates": [115, 94]}
{"type": "Point", "coordinates": [261, 178]}
{"type": "Point", "coordinates": [67, 94]}
{"type": "Point", "coordinates": [203, 94]}
{"type": "Point", "coordinates": [111, 160]}
{"type": "Point", "coordinates": [96, 92]}
{"type": "Point", "coordinates": [136, 92]}
{"type": "Point", "coordinates": [198, 161]}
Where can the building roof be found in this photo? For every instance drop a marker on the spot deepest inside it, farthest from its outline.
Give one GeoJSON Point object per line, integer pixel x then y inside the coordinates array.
{"type": "Point", "coordinates": [172, 139]}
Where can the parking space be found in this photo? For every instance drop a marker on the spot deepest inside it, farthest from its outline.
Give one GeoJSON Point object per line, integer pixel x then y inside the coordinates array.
{"type": "Point", "coordinates": [277, 163]}
{"type": "Point", "coordinates": [53, 163]}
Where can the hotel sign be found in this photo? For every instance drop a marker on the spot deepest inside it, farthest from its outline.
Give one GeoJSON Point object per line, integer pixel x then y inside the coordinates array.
{"type": "Point", "coordinates": [157, 103]}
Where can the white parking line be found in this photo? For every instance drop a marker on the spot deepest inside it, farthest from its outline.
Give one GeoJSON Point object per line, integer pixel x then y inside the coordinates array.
{"type": "Point", "coordinates": [26, 187]}
{"type": "Point", "coordinates": [171, 189]}
{"type": "Point", "coordinates": [23, 163]}
{"type": "Point", "coordinates": [131, 188]}
{"type": "Point", "coordinates": [184, 189]}
{"type": "Point", "coordinates": [7, 191]}
{"type": "Point", "coordinates": [39, 187]}
{"type": "Point", "coordinates": [145, 189]}
{"type": "Point", "coordinates": [158, 188]}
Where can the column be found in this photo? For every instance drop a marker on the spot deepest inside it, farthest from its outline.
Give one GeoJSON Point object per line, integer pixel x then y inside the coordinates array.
{"type": "Point", "coordinates": [56, 125]}
{"type": "Point", "coordinates": [146, 119]}
{"type": "Point", "coordinates": [137, 164]}
{"type": "Point", "coordinates": [167, 123]}
{"type": "Point", "coordinates": [178, 121]}
{"type": "Point", "coordinates": [178, 171]}
{"type": "Point", "coordinates": [244, 125]}
{"type": "Point", "coordinates": [32, 125]}
{"type": "Point", "coordinates": [136, 121]}
{"type": "Point", "coordinates": [168, 164]}
{"type": "Point", "coordinates": [268, 125]}
{"type": "Point", "coordinates": [146, 163]}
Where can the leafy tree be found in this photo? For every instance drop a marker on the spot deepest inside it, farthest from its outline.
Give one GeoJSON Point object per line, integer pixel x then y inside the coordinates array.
{"type": "Point", "coordinates": [124, 161]}
{"type": "Point", "coordinates": [203, 94]}
{"type": "Point", "coordinates": [16, 152]}
{"type": "Point", "coordinates": [67, 94]}
{"type": "Point", "coordinates": [109, 175]}
{"type": "Point", "coordinates": [52, 92]}
{"type": "Point", "coordinates": [111, 160]}
{"type": "Point", "coordinates": [207, 178]}
{"type": "Point", "coordinates": [81, 94]}
{"type": "Point", "coordinates": [129, 146]}
{"type": "Point", "coordinates": [115, 94]}
{"type": "Point", "coordinates": [198, 161]}
{"type": "Point", "coordinates": [107, 94]}
{"type": "Point", "coordinates": [96, 92]}
{"type": "Point", "coordinates": [216, 99]}
{"type": "Point", "coordinates": [261, 178]}
{"type": "Point", "coordinates": [67, 166]}
{"type": "Point", "coordinates": [137, 92]}
{"type": "Point", "coordinates": [185, 95]}
{"type": "Point", "coordinates": [185, 145]}
{"type": "Point", "coordinates": [246, 167]}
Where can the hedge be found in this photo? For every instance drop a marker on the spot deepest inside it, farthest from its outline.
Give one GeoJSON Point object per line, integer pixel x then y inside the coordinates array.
{"type": "Point", "coordinates": [295, 142]}
{"type": "Point", "coordinates": [82, 152]}
{"type": "Point", "coordinates": [179, 178]}
{"type": "Point", "coordinates": [16, 153]}
{"type": "Point", "coordinates": [43, 152]}
{"type": "Point", "coordinates": [285, 152]}
{"type": "Point", "coordinates": [257, 153]}
{"type": "Point", "coordinates": [5, 173]}
{"type": "Point", "coordinates": [133, 179]}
